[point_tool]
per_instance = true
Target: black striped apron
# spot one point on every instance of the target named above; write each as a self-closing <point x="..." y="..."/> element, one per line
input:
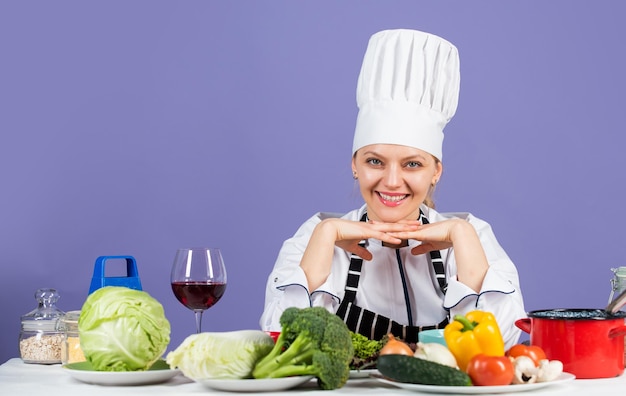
<point x="376" y="326"/>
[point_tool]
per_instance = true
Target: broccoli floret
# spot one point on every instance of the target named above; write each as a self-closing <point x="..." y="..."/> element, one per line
<point x="312" y="341"/>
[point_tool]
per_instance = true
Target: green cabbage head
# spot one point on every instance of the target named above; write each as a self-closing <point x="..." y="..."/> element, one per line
<point x="225" y="355"/>
<point x="122" y="329"/>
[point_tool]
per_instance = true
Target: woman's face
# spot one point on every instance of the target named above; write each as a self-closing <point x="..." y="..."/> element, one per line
<point x="394" y="180"/>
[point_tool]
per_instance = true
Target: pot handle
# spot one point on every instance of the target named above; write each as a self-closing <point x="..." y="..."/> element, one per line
<point x="524" y="324"/>
<point x="617" y="332"/>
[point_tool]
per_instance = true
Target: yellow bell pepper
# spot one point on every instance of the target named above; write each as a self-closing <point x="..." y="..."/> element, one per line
<point x="476" y="332"/>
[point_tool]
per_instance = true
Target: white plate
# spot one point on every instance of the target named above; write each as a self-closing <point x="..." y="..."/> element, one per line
<point x="82" y="371"/>
<point x="478" y="390"/>
<point x="366" y="373"/>
<point x="255" y="385"/>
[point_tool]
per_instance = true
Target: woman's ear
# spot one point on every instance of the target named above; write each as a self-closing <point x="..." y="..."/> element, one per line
<point x="438" y="172"/>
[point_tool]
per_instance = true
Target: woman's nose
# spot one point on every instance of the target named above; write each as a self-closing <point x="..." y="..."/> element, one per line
<point x="393" y="176"/>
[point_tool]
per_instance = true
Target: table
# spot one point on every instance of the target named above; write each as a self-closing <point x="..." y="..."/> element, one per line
<point x="18" y="378"/>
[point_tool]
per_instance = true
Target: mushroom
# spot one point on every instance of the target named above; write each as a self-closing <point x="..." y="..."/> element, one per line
<point x="525" y="370"/>
<point x="549" y="370"/>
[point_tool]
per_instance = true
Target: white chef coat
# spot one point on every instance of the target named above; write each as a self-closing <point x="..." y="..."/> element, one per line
<point x="380" y="287"/>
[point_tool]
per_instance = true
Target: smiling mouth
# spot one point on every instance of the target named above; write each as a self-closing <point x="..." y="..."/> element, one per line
<point x="392" y="200"/>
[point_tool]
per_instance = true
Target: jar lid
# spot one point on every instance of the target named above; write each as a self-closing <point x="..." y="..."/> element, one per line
<point x="71" y="316"/>
<point x="40" y="325"/>
<point x="69" y="321"/>
<point x="619" y="271"/>
<point x="46" y="315"/>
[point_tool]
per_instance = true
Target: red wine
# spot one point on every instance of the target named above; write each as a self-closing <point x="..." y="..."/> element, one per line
<point x="197" y="295"/>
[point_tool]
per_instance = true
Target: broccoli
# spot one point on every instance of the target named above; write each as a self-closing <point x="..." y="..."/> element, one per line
<point x="313" y="341"/>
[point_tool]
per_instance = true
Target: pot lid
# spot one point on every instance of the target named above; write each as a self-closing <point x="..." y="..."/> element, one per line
<point x="576" y="314"/>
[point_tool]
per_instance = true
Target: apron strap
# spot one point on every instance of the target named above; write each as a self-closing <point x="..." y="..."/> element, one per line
<point x="436" y="261"/>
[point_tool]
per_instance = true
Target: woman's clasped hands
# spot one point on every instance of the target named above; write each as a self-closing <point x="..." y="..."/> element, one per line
<point x="435" y="236"/>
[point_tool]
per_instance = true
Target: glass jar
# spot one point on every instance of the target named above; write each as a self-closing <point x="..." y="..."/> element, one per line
<point x="618" y="283"/>
<point x="40" y="340"/>
<point x="70" y="348"/>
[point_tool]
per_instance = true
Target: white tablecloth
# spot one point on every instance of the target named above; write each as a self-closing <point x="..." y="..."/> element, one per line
<point x="18" y="378"/>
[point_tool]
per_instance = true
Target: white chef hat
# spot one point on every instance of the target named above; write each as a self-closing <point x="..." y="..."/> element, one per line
<point x="407" y="91"/>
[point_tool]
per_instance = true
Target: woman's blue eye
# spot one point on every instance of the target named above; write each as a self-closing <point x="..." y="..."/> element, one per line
<point x="374" y="161"/>
<point x="414" y="164"/>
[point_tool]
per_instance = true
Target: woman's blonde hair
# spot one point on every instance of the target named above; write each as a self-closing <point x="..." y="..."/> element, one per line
<point x="429" y="200"/>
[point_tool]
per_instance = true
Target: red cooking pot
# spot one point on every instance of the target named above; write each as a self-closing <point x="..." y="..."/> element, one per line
<point x="589" y="342"/>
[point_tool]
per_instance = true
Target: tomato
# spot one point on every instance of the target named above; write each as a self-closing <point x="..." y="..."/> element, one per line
<point x="532" y="351"/>
<point x="490" y="370"/>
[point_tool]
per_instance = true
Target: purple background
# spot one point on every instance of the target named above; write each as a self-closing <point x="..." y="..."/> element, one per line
<point x="137" y="127"/>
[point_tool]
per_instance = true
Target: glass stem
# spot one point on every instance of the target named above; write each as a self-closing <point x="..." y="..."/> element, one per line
<point x="198" y="321"/>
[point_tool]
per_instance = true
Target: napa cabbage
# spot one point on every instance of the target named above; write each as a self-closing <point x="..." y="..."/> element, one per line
<point x="224" y="355"/>
<point x="122" y="329"/>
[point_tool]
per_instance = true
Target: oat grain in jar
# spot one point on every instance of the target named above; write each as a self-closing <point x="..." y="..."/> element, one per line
<point x="40" y="340"/>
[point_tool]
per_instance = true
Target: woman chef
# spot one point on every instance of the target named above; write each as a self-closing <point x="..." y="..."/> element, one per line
<point x="396" y="264"/>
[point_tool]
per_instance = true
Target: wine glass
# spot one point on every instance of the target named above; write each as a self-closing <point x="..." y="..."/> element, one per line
<point x="198" y="279"/>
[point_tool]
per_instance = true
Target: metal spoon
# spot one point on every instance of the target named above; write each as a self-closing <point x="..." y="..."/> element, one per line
<point x="617" y="303"/>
